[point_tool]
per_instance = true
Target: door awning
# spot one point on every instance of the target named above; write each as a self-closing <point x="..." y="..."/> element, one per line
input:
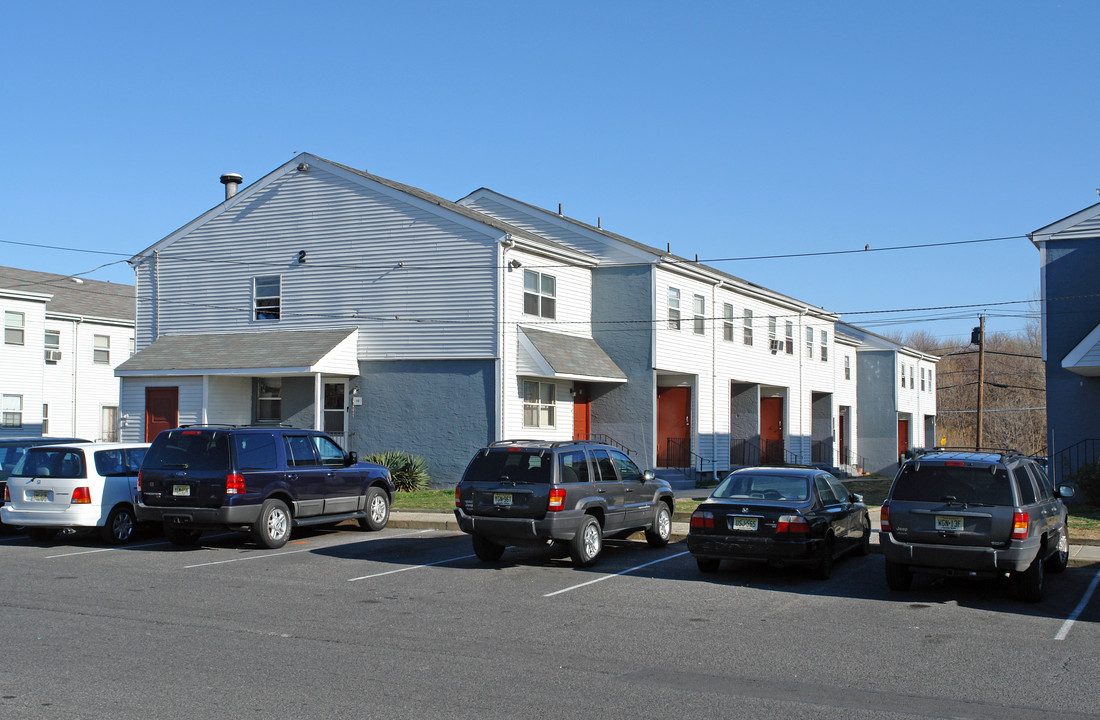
<point x="288" y="352"/>
<point x="569" y="357"/>
<point x="1085" y="358"/>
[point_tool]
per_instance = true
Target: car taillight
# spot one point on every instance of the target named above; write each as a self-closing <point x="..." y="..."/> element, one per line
<point x="82" y="496"/>
<point x="792" y="525"/>
<point x="884" y="518"/>
<point x="458" y="498"/>
<point x="557" y="499"/>
<point x="234" y="484"/>
<point x="704" y="520"/>
<point x="1019" y="526"/>
<point x="7" y="495"/>
<point x="139" y="481"/>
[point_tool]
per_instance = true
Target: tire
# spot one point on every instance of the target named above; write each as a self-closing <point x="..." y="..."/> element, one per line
<point x="1029" y="583"/>
<point x="864" y="546"/>
<point x="378" y="510"/>
<point x="41" y="534"/>
<point x="120" y="526"/>
<point x="586" y="545"/>
<point x="823" y="567"/>
<point x="657" y="535"/>
<point x="272" y="528"/>
<point x="898" y="577"/>
<point x="707" y="565"/>
<point x="485" y="549"/>
<point x="1057" y="562"/>
<point x="182" y="537"/>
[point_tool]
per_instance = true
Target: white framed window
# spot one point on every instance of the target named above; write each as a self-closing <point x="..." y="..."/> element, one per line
<point x="13" y="327"/>
<point x="903" y="376"/>
<point x="727" y="322"/>
<point x="771" y="331"/>
<point x="101" y="349"/>
<point x="748" y="327"/>
<point x="12" y="409"/>
<point x="540" y="292"/>
<point x="269" y="400"/>
<point x="267" y="297"/>
<point x="847" y="367"/>
<point x="809" y="342"/>
<point x="699" y="310"/>
<point x="922" y="379"/>
<point x="673" y="308"/>
<point x="789" y="327"/>
<point x="45" y="419"/>
<point x="132" y="346"/>
<point x="824" y="346"/>
<point x="52" y="345"/>
<point x="538" y="404"/>
<point x="912" y="380"/>
<point x="108" y="423"/>
<point x="929" y="379"/>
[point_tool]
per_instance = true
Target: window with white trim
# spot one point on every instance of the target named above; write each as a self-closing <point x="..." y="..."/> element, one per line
<point x="699" y="309"/>
<point x="12" y="411"/>
<point x="538" y="404"/>
<point x="912" y="381"/>
<point x="847" y="367"/>
<point x="101" y="349"/>
<point x="45" y="419"/>
<point x="540" y="293"/>
<point x="771" y="331"/>
<point x="13" y="327"/>
<point x="789" y="326"/>
<point x="267" y="297"/>
<point x="673" y="308"/>
<point x="132" y="346"/>
<point x="727" y="322"/>
<point x="269" y="400"/>
<point x="922" y="379"/>
<point x="52" y="345"/>
<point x="748" y="327"/>
<point x="824" y="346"/>
<point x="809" y="342"/>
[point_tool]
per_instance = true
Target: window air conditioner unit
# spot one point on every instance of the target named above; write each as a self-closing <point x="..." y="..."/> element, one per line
<point x="53" y="355"/>
<point x="776" y="345"/>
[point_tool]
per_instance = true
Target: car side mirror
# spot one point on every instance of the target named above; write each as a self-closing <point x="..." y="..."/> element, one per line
<point x="649" y="476"/>
<point x="353" y="457"/>
<point x="1065" y="491"/>
<point x="857" y="497"/>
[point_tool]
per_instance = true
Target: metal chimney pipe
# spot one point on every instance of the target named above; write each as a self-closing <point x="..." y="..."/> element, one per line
<point x="231" y="182"/>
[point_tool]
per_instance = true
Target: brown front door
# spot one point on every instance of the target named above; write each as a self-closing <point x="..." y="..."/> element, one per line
<point x="673" y="426"/>
<point x="582" y="412"/>
<point x="771" y="430"/>
<point x="903" y="437"/>
<point x="162" y="405"/>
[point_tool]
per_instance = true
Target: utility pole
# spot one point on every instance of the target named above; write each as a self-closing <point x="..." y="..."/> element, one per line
<point x="978" y="336"/>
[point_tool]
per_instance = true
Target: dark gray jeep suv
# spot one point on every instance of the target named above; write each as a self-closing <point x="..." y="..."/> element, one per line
<point x="572" y="494"/>
<point x="974" y="514"/>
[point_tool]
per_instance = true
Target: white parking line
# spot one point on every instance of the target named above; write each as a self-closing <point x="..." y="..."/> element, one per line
<point x="608" y="577"/>
<point x="262" y="554"/>
<point x="1079" y="609"/>
<point x="106" y="549"/>
<point x="411" y="567"/>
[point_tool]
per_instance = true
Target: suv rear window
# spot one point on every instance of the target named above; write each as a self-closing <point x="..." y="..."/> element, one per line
<point x="189" y="450"/>
<point x="935" y="483"/>
<point x="511" y="465"/>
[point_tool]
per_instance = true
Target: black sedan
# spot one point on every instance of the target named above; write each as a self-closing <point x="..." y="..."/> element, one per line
<point x="781" y="516"/>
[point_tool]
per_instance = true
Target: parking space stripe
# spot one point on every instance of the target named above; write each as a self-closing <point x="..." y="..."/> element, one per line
<point x="262" y="554"/>
<point x="411" y="567"/>
<point x="1064" y="631"/>
<point x="106" y="549"/>
<point x="608" y="577"/>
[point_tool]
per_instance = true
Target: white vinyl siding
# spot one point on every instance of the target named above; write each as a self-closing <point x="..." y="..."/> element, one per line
<point x="132" y="403"/>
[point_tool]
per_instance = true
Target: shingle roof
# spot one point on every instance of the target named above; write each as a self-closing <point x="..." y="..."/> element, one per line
<point x="572" y="355"/>
<point x="229" y="351"/>
<point x="94" y="298"/>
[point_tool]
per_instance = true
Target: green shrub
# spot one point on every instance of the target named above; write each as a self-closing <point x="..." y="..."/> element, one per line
<point x="409" y="472"/>
<point x="1087" y="479"/>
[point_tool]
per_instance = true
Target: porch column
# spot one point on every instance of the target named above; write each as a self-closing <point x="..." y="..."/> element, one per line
<point x="318" y="393"/>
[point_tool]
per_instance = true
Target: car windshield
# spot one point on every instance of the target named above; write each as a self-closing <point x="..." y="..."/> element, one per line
<point x="926" y="482"/>
<point x="51" y="462"/>
<point x="189" y="450"/>
<point x="522" y="467"/>
<point x="749" y="486"/>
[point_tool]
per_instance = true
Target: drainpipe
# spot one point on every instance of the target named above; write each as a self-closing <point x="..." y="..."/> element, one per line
<point x="801" y="381"/>
<point x="76" y="369"/>
<point x="502" y="283"/>
<point x="156" y="294"/>
<point x="714" y="381"/>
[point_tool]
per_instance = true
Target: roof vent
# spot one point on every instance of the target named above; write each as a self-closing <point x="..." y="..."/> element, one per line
<point x="231" y="181"/>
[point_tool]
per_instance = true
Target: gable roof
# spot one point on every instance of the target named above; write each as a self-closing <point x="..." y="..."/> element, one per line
<point x="1084" y="359"/>
<point x="868" y="340"/>
<point x="72" y="295"/>
<point x="1081" y="224"/>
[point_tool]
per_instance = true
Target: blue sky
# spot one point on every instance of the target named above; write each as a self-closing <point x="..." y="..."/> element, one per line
<point x="726" y="129"/>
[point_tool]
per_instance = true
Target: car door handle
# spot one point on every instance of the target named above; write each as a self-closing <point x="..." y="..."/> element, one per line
<point x="600" y="491"/>
<point x="628" y="490"/>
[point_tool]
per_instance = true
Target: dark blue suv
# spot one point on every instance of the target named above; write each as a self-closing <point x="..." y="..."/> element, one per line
<point x="266" y="480"/>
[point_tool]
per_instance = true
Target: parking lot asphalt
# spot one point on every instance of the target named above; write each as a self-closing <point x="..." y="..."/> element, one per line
<point x="1079" y="555"/>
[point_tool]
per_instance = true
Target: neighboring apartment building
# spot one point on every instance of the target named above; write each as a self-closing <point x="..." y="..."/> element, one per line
<point x="1069" y="261"/>
<point x="326" y="297"/>
<point x="63" y="338"/>
<point x="896" y="400"/>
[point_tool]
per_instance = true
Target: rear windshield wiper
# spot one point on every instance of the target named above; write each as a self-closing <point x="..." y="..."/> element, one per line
<point x="952" y="500"/>
<point x="504" y="479"/>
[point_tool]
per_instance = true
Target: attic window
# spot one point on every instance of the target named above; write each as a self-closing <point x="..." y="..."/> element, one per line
<point x="266" y="297"/>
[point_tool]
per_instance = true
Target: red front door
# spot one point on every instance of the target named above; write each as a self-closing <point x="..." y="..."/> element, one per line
<point x="673" y="426"/>
<point x="842" y="437"/>
<point x="162" y="406"/>
<point x="903" y="437"/>
<point x="582" y="412"/>
<point x="771" y="430"/>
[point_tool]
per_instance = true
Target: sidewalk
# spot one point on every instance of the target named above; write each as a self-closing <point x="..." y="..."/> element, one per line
<point x="1079" y="555"/>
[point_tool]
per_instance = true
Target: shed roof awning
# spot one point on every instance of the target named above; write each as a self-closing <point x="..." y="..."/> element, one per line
<point x="289" y="352"/>
<point x="569" y="357"/>
<point x="1085" y="358"/>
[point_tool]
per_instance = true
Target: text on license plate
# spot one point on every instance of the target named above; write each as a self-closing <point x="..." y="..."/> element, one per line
<point x="945" y="522"/>
<point x="743" y="523"/>
<point x="181" y="490"/>
<point x="502" y="498"/>
<point x="40" y="496"/>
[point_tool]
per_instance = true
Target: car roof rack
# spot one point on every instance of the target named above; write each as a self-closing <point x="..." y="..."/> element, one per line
<point x="1005" y="453"/>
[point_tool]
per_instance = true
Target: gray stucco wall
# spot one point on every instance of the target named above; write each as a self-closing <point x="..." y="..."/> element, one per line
<point x="441" y="409"/>
<point x="297" y="402"/>
<point x="1073" y="401"/>
<point x="877" y="415"/>
<point x="622" y="316"/>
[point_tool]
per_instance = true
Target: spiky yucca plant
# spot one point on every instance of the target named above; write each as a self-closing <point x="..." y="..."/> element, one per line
<point x="409" y="472"/>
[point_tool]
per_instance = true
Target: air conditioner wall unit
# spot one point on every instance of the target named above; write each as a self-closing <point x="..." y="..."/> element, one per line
<point x="53" y="355"/>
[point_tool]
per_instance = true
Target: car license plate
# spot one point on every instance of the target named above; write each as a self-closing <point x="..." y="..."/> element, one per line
<point x="951" y="524"/>
<point x="746" y="524"/>
<point x="502" y="498"/>
<point x="40" y="496"/>
<point x="181" y="490"/>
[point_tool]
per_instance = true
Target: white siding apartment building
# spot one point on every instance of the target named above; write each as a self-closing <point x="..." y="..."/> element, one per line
<point x="63" y="338"/>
